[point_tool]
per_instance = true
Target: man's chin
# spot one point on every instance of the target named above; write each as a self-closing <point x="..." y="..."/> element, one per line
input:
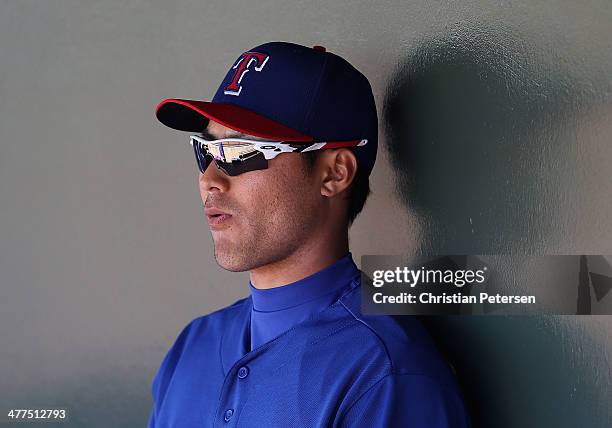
<point x="231" y="262"/>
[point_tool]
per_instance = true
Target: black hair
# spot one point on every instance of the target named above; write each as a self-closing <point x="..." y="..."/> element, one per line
<point x="359" y="189"/>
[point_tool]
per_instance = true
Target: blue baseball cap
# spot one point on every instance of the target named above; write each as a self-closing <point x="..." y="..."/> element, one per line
<point x="287" y="92"/>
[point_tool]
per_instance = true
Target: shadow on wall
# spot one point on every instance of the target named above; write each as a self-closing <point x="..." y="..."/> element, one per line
<point x="481" y="136"/>
<point x="479" y="129"/>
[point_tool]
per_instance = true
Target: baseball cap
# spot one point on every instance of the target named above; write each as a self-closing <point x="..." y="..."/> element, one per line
<point x="287" y="92"/>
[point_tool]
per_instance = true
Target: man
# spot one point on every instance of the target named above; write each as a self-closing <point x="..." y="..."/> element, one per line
<point x="284" y="150"/>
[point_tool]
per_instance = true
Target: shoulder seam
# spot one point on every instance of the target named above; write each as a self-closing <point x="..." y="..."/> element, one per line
<point x="382" y="343"/>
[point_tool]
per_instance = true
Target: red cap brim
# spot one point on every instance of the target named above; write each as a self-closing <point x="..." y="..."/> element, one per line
<point x="193" y="115"/>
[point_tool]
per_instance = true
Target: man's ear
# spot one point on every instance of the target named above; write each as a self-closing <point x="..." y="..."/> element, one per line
<point x="338" y="167"/>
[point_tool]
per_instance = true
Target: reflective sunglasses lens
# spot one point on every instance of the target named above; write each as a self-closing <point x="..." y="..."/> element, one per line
<point x="230" y="150"/>
<point x="202" y="157"/>
<point x="253" y="163"/>
<point x="234" y="151"/>
<point x="232" y="157"/>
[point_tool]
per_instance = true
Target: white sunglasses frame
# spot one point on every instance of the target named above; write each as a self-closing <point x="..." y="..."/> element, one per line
<point x="271" y="149"/>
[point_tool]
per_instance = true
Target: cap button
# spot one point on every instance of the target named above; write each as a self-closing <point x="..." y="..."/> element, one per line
<point x="319" y="48"/>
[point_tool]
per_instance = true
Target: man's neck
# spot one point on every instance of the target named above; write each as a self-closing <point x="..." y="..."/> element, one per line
<point x="306" y="261"/>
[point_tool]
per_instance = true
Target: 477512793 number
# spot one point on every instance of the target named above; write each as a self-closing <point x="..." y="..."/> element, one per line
<point x="55" y="414"/>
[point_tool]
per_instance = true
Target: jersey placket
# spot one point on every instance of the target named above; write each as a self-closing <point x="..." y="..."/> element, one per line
<point x="233" y="393"/>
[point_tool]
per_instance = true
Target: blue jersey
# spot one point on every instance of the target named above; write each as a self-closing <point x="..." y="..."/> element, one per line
<point x="338" y="368"/>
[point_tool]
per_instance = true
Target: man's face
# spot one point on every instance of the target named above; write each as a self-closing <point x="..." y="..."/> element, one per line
<point x="270" y="213"/>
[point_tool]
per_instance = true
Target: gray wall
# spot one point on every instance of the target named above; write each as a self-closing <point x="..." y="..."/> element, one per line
<point x="495" y="139"/>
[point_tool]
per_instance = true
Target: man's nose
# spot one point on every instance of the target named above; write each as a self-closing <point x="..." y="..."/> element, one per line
<point x="213" y="179"/>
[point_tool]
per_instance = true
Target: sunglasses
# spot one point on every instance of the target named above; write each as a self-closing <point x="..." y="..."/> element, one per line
<point x="235" y="156"/>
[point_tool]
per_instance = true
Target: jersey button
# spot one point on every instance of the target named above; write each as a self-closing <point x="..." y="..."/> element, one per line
<point x="228" y="415"/>
<point x="243" y="372"/>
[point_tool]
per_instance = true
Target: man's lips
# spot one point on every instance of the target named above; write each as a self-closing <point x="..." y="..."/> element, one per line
<point x="216" y="217"/>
